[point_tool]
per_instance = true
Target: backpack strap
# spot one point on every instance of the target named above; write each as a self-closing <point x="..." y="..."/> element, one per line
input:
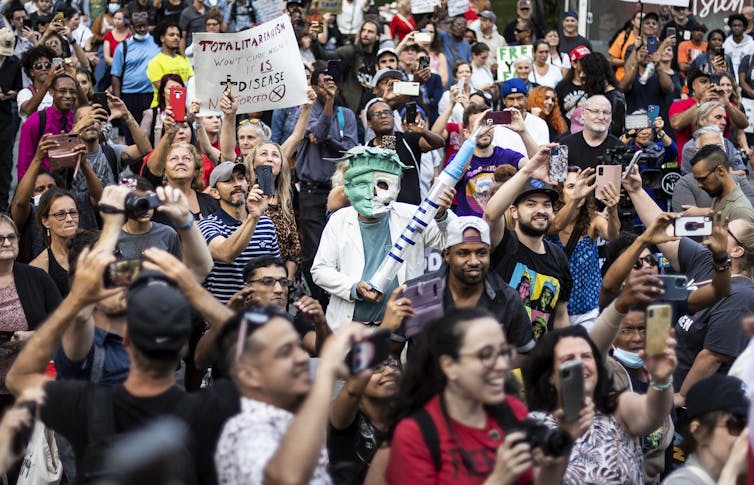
<point x="503" y="415"/>
<point x="98" y="363"/>
<point x="42" y="123"/>
<point x="123" y="69"/>
<point x="429" y="433"/>
<point x="100" y="431"/>
<point x="112" y="159"/>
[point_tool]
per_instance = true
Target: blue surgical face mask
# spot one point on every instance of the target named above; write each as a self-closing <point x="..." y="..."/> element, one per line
<point x="629" y="359"/>
<point x="113" y="7"/>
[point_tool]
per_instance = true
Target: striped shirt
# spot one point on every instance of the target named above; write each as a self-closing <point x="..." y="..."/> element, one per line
<point x="227" y="278"/>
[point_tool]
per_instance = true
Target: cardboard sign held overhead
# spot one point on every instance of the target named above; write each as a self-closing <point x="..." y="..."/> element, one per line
<point x="262" y="66"/>
<point x="424" y="6"/>
<point x="506" y="58"/>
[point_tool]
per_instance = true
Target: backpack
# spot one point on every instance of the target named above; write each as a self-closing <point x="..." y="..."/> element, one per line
<point x="101" y="434"/>
<point x="502" y="414"/>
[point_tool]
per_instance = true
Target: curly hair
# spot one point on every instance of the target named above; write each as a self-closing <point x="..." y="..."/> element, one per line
<point x="555" y="119"/>
<point x="598" y="73"/>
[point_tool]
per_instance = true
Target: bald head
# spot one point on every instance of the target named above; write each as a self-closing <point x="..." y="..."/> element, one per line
<point x="597" y="116"/>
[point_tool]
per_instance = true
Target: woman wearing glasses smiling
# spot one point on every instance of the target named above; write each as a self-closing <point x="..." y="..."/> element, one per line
<point x="454" y="382"/>
<point x="27" y="296"/>
<point x="58" y="214"/>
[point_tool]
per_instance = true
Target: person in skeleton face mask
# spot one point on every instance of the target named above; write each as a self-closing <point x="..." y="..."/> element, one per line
<point x="356" y="239"/>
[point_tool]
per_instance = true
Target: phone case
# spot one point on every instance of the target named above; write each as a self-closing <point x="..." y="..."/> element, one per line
<point x="559" y="163"/>
<point x="333" y="69"/>
<point x="674" y="286"/>
<point x="608" y="173"/>
<point x="426" y="300"/>
<point x="178" y="103"/>
<point x="101" y="99"/>
<point x="658" y="327"/>
<point x="572" y="389"/>
<point x="406" y="88"/>
<point x="265" y="179"/>
<point x="64" y="155"/>
<point x="369" y="352"/>
<point x="653" y="111"/>
<point x="690" y="226"/>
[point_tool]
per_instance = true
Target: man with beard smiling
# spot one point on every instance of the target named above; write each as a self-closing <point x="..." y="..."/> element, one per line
<point x="523" y="252"/>
<point x="710" y="169"/>
<point x="238" y="231"/>
<point x="585" y="146"/>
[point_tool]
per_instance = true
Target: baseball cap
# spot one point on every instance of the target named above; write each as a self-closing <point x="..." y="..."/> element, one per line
<point x="524" y="4"/>
<point x="7" y="42"/>
<point x="578" y="52"/>
<point x="571" y="13"/>
<point x="457" y="226"/>
<point x="514" y="85"/>
<point x="717" y="392"/>
<point x="488" y="14"/>
<point x="536" y="186"/>
<point x="651" y="15"/>
<point x="699" y="26"/>
<point x="695" y="74"/>
<point x="224" y="171"/>
<point x="387" y="50"/>
<point x="390" y="73"/>
<point x="158" y="316"/>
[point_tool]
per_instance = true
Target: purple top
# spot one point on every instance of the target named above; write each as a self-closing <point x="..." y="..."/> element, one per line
<point x="27" y="144"/>
<point x="475" y="187"/>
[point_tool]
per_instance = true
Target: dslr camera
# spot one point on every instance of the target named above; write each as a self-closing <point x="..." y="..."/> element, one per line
<point x="137" y="205"/>
<point x="552" y="442"/>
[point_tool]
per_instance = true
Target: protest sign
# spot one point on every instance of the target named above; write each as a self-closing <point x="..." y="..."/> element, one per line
<point x="267" y="10"/>
<point x="748" y="105"/>
<point x="424" y="6"/>
<point x="334" y="7"/>
<point x="507" y="56"/>
<point x="262" y="65"/>
<point x="457" y="7"/>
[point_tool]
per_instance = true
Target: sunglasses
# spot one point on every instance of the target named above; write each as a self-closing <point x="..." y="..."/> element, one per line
<point x="251" y="121"/>
<point x="42" y="65"/>
<point x="650" y="259"/>
<point x="735" y="425"/>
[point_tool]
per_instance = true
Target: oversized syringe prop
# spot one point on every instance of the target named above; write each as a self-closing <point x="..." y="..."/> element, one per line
<point x="423" y="215"/>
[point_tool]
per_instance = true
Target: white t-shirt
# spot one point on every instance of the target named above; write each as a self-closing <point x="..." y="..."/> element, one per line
<point x="350" y="19"/>
<point x="457" y="115"/>
<point x="550" y="79"/>
<point x="25" y="95"/>
<point x="481" y="77"/>
<point x="507" y="138"/>
<point x="738" y="51"/>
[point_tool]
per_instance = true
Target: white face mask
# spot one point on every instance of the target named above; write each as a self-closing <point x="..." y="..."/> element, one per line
<point x="629" y="359"/>
<point x="35" y="199"/>
<point x="140" y="36"/>
<point x="113" y="7"/>
<point x="383" y="197"/>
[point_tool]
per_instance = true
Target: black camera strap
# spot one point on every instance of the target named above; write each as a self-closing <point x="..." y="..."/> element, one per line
<point x="502" y="414"/>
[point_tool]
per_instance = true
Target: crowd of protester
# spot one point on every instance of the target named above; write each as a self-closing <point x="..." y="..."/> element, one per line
<point x="192" y="300"/>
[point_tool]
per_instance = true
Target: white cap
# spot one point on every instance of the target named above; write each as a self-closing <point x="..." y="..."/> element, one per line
<point x="458" y="226"/>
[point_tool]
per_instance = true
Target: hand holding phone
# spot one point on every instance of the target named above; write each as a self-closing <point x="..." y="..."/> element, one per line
<point x="691" y="226"/>
<point x="369" y="352"/>
<point x="101" y="99"/>
<point x="121" y="273"/>
<point x="178" y="103"/>
<point x="265" y="179"/>
<point x="559" y="163"/>
<point x="658" y="328"/>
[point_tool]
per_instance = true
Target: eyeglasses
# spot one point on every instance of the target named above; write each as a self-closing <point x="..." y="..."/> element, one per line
<point x="519" y="31"/>
<point x="650" y="259"/>
<point x="381" y="114"/>
<point x="61" y="215"/>
<point x="735" y="238"/>
<point x="42" y="65"/>
<point x="702" y="179"/>
<point x="11" y="238"/>
<point x="488" y="355"/>
<point x="599" y="112"/>
<point x="71" y="92"/>
<point x="631" y="330"/>
<point x="270" y="281"/>
<point x="391" y="362"/>
<point x="735" y="425"/>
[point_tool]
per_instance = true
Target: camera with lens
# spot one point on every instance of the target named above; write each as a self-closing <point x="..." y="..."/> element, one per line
<point x="552" y="442"/>
<point x="137" y="205"/>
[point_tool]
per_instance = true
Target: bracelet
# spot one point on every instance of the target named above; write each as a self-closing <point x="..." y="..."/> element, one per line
<point x="723" y="266"/>
<point x="187" y="225"/>
<point x="72" y="41"/>
<point x="661" y="387"/>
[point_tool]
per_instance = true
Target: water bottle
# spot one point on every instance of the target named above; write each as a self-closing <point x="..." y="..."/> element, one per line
<point x="648" y="71"/>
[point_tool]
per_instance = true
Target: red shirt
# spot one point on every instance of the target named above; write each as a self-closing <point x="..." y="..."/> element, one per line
<point x="684" y="135"/>
<point x="401" y="26"/>
<point x="411" y="461"/>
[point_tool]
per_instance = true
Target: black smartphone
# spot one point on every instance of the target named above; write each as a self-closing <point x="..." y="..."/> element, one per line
<point x="23" y="435"/>
<point x="333" y="70"/>
<point x="369" y="352"/>
<point x="101" y="99"/>
<point x="121" y="273"/>
<point x="424" y="62"/>
<point x="652" y="44"/>
<point x="411" y="112"/>
<point x="571" y="389"/>
<point x="265" y="180"/>
<point x="670" y="32"/>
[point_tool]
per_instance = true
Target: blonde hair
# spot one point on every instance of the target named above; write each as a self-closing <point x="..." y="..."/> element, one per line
<point x="198" y="182"/>
<point x="746" y="238"/>
<point x="706" y="109"/>
<point x="282" y="181"/>
<point x="7" y="219"/>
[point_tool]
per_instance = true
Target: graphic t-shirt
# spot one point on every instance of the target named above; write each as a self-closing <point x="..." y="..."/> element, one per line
<point x="475" y="187"/>
<point x="542" y="280"/>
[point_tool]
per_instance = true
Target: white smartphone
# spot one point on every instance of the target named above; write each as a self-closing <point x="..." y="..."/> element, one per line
<point x="406" y="88"/>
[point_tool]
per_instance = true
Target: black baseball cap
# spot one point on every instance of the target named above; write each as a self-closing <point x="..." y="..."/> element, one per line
<point x="158" y="316"/>
<point x="717" y="392"/>
<point x="694" y="74"/>
<point x="536" y="186"/>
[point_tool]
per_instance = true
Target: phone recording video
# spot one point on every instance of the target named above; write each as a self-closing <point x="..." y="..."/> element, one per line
<point x="121" y="273"/>
<point x="369" y="352"/>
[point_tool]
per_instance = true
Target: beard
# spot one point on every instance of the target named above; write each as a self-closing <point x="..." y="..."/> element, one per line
<point x="236" y="202"/>
<point x="531" y="231"/>
<point x="716" y="192"/>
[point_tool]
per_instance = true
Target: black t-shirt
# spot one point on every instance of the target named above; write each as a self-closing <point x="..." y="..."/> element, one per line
<point x="505" y="304"/>
<point x="66" y="411"/>
<point x="716" y="328"/>
<point x="567" y="44"/>
<point x="541" y="280"/>
<point x="570" y="97"/>
<point x="10" y="80"/>
<point x="410" y="154"/>
<point x="581" y="154"/>
<point x="351" y="449"/>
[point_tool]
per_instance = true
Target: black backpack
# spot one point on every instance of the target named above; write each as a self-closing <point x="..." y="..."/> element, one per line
<point x="502" y="414"/>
